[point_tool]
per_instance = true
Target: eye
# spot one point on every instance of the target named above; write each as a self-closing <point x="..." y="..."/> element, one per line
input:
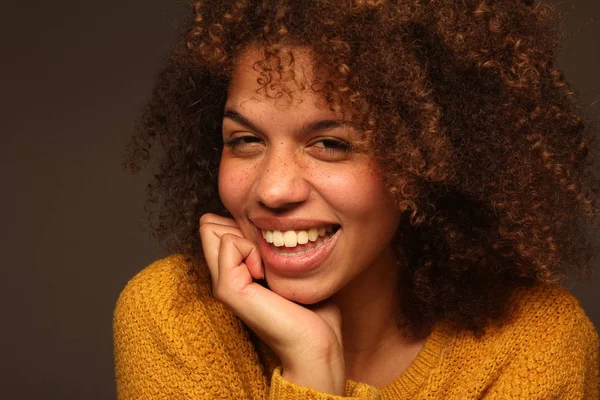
<point x="244" y="145"/>
<point x="331" y="149"/>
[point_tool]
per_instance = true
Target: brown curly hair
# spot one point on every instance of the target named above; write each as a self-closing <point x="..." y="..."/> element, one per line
<point x="479" y="137"/>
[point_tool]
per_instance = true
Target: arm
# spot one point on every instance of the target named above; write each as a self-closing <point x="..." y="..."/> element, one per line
<point x="138" y="348"/>
<point x="306" y="341"/>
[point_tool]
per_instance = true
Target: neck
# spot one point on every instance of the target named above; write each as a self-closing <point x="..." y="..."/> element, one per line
<point x="369" y="304"/>
<point x="375" y="350"/>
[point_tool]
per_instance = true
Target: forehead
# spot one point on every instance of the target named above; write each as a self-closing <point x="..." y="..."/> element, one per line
<point x="285" y="78"/>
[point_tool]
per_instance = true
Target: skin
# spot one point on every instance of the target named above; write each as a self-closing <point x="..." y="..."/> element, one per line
<point x="281" y="168"/>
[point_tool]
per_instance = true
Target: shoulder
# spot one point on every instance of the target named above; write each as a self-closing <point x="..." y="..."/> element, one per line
<point x="548" y="348"/>
<point x="551" y="331"/>
<point x="165" y="291"/>
<point x="161" y="280"/>
<point x="173" y="339"/>
<point x="545" y="323"/>
<point x="539" y="318"/>
<point x="166" y="313"/>
<point x="549" y="312"/>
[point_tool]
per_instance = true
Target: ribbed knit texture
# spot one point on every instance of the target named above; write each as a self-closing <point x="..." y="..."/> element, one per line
<point x="173" y="341"/>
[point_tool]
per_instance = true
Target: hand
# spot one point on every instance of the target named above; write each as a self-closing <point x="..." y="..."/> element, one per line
<point x="307" y="341"/>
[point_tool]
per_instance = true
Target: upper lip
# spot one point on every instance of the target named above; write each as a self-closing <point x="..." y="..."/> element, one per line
<point x="288" y="223"/>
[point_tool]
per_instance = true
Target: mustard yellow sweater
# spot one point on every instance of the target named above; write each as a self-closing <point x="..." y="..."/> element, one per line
<point x="172" y="343"/>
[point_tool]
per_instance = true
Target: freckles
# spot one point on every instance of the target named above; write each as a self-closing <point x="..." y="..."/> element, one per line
<point x="245" y="175"/>
<point x="244" y="182"/>
<point x="234" y="183"/>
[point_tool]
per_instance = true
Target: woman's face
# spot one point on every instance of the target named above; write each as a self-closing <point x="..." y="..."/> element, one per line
<point x="317" y="209"/>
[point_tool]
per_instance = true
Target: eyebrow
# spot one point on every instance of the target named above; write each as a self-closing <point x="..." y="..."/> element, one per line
<point x="312" y="126"/>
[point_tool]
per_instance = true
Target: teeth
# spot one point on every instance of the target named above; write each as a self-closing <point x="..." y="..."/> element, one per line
<point x="277" y="238"/>
<point x="290" y="239"/>
<point x="302" y="237"/>
<point x="294" y="238"/>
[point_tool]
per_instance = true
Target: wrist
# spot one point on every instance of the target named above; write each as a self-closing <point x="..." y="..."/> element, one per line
<point x="326" y="377"/>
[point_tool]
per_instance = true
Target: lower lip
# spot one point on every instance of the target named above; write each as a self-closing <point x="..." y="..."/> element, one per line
<point x="293" y="265"/>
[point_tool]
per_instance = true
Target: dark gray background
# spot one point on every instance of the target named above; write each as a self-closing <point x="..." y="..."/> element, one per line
<point x="73" y="77"/>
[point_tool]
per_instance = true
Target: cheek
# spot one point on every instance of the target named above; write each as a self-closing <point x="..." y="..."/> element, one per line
<point x="234" y="186"/>
<point x="359" y="191"/>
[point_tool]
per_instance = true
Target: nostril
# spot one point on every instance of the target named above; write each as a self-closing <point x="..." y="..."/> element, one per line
<point x="281" y="194"/>
<point x="279" y="207"/>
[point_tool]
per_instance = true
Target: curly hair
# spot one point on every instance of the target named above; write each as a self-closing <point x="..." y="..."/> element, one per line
<point x="479" y="137"/>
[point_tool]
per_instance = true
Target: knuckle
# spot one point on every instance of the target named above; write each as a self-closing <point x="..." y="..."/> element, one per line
<point x="206" y="218"/>
<point x="228" y="238"/>
<point x="204" y="230"/>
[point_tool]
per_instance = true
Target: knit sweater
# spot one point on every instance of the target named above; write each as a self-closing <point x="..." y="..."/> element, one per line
<point x="173" y="341"/>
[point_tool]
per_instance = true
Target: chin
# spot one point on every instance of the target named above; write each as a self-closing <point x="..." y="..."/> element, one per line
<point x="298" y="291"/>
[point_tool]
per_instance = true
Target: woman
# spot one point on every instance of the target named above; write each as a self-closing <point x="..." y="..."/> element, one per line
<point x="371" y="199"/>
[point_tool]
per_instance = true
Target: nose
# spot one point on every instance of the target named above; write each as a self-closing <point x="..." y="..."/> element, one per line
<point x="281" y="183"/>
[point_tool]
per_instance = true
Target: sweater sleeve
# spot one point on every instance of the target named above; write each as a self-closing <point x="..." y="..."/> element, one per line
<point x="151" y="360"/>
<point x="169" y="345"/>
<point x="558" y="358"/>
<point x="282" y="389"/>
<point x="139" y="354"/>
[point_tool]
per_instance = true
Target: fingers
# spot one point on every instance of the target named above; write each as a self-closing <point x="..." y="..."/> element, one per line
<point x="212" y="228"/>
<point x="234" y="262"/>
<point x="231" y="258"/>
<point x="217" y="219"/>
<point x="292" y="331"/>
<point x="239" y="263"/>
<point x="238" y="253"/>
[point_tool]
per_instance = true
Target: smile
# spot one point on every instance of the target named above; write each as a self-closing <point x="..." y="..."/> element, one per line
<point x="293" y="251"/>
<point x="293" y="238"/>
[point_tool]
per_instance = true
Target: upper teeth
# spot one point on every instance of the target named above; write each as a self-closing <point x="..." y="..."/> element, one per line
<point x="295" y="237"/>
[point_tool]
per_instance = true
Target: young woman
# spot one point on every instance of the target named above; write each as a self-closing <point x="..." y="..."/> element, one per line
<point x="369" y="199"/>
